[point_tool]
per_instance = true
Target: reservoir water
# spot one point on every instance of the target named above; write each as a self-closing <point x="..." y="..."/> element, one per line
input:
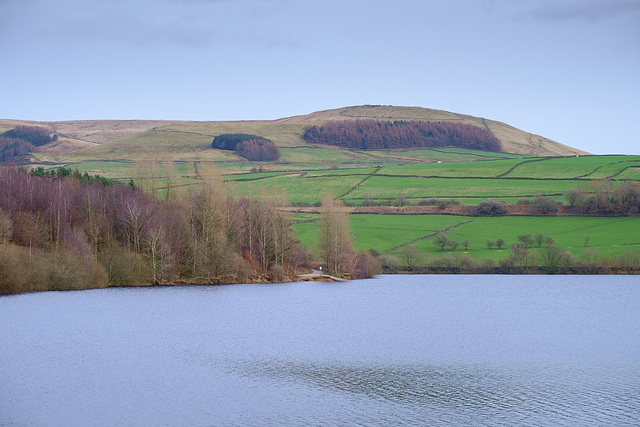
<point x="395" y="350"/>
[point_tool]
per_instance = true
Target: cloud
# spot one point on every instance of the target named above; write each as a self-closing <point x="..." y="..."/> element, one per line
<point x="197" y="1"/>
<point x="565" y="10"/>
<point x="191" y="2"/>
<point x="184" y="23"/>
<point x="134" y="30"/>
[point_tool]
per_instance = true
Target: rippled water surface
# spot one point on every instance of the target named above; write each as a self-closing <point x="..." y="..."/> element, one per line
<point x="411" y="350"/>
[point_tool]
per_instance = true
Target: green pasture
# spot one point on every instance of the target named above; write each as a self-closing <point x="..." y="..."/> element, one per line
<point x="109" y="169"/>
<point x="239" y="177"/>
<point x="451" y="151"/>
<point x="632" y="173"/>
<point x="572" y="167"/>
<point x="609" y="236"/>
<point x="619" y="170"/>
<point x="381" y="232"/>
<point x="386" y="187"/>
<point x="299" y="188"/>
<point x="484" y="168"/>
<point x="341" y="172"/>
<point x="467" y="182"/>
<point x="445" y="155"/>
<point x="317" y="155"/>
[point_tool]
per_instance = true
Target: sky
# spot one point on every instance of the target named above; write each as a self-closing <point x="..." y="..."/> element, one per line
<point x="568" y="70"/>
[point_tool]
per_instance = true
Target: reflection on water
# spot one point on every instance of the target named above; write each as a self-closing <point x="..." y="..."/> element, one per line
<point x="416" y="350"/>
<point x="461" y="394"/>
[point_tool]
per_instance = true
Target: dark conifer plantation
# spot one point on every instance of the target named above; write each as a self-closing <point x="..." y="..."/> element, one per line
<point x="22" y="140"/>
<point x="376" y="135"/>
<point x="252" y="147"/>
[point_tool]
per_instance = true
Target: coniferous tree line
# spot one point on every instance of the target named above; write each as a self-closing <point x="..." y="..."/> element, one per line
<point x="22" y="140"/>
<point x="375" y="135"/>
<point x="252" y="147"/>
<point x="11" y="148"/>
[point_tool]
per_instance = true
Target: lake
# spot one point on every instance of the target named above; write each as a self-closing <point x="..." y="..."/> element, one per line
<point x="409" y="350"/>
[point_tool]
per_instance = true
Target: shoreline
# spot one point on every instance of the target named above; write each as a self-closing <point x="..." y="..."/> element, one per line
<point x="317" y="276"/>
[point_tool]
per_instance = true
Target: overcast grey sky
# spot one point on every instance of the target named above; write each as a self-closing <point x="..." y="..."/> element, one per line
<point x="568" y="70"/>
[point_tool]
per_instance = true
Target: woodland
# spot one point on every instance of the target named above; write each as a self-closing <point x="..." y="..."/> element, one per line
<point x="252" y="147"/>
<point x="65" y="230"/>
<point x="375" y="135"/>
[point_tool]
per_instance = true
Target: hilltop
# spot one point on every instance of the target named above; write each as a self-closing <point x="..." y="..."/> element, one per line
<point x="513" y="140"/>
<point x="126" y="139"/>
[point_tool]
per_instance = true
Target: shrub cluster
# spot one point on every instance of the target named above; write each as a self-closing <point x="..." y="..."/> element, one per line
<point x="604" y="198"/>
<point x="375" y="135"/>
<point x="258" y="150"/>
<point x="26" y="270"/>
<point x="491" y="208"/>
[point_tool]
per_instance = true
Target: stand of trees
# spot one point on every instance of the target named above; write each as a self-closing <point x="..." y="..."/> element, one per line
<point x="336" y="247"/>
<point x="258" y="150"/>
<point x="375" y="135"/>
<point x="252" y="147"/>
<point x="334" y="236"/>
<point x="60" y="232"/>
<point x="528" y="255"/>
<point x="22" y="140"/>
<point x="604" y="198"/>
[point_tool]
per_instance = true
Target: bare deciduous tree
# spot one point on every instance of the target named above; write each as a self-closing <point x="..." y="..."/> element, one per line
<point x="6" y="227"/>
<point x="335" y="236"/>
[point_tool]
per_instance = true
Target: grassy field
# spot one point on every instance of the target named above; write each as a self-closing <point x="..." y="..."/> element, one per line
<point x="354" y="177"/>
<point x="485" y="169"/>
<point x="609" y="236"/>
<point x="382" y="232"/>
<point x="632" y="173"/>
<point x="593" y="167"/>
<point x="454" y="155"/>
<point x="386" y="187"/>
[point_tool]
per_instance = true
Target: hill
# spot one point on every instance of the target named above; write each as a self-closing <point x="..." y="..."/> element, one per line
<point x="513" y="140"/>
<point x="128" y="139"/>
<point x="400" y="200"/>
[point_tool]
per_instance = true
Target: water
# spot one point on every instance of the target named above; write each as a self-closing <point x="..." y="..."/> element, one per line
<point x="397" y="350"/>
